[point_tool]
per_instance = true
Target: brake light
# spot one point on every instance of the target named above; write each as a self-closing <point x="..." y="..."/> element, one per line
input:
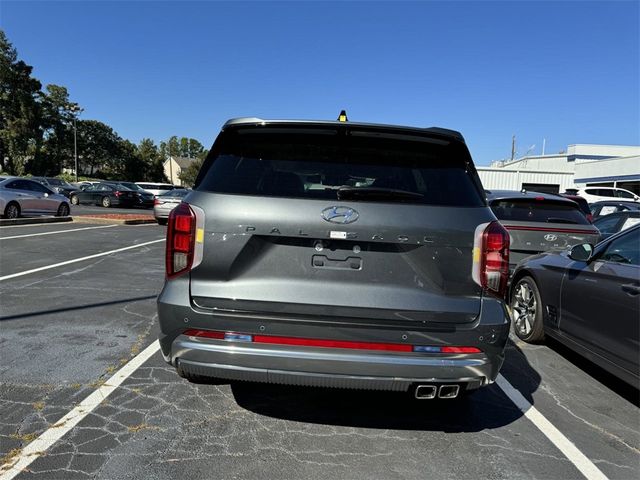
<point x="117" y="194"/>
<point x="156" y="201"/>
<point x="491" y="258"/>
<point x="181" y="236"/>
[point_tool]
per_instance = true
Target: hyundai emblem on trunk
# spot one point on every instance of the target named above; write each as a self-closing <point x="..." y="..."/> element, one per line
<point x="340" y="215"/>
<point x="550" y="237"/>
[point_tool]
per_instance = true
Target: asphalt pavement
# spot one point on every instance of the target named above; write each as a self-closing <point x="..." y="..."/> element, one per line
<point x="78" y="309"/>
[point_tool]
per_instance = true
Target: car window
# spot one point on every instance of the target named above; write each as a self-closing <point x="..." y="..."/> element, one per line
<point x="319" y="164"/>
<point x="607" y="224"/>
<point x="544" y="211"/>
<point x="38" y="187"/>
<point x="625" y="249"/>
<point x="623" y="194"/>
<point x="13" y="185"/>
<point x="630" y="222"/>
<point x="104" y="188"/>
<point x="608" y="209"/>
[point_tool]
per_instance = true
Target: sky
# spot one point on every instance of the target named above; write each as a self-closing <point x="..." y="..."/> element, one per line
<point x="567" y="72"/>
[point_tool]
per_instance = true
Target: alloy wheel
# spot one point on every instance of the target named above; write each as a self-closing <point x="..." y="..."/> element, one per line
<point x="524" y="307"/>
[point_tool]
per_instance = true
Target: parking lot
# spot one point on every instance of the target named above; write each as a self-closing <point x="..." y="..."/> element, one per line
<point x="79" y="317"/>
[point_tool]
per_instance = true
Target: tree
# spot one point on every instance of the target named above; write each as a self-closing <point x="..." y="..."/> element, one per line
<point x="98" y="148"/>
<point x="153" y="161"/>
<point x="20" y="111"/>
<point x="189" y="174"/>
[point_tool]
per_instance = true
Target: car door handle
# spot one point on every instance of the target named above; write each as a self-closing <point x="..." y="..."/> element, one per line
<point x="631" y="288"/>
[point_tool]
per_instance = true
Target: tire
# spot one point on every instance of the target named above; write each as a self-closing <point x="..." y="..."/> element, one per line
<point x="527" y="310"/>
<point x="74" y="200"/>
<point x="105" y="202"/>
<point x="12" y="210"/>
<point x="63" y="210"/>
<point x="161" y="221"/>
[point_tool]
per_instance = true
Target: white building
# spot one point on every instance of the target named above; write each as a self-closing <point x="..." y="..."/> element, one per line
<point x="174" y="166"/>
<point x="581" y="165"/>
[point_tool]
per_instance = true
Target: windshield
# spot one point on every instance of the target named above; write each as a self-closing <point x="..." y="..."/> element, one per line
<point x="323" y="164"/>
<point x="178" y="192"/>
<point x="532" y="210"/>
<point x="131" y="186"/>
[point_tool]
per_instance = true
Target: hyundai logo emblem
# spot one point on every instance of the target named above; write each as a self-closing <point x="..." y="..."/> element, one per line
<point x="341" y="215"/>
<point x="550" y="237"/>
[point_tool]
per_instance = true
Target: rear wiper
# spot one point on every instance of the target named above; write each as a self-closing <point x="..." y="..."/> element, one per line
<point x="560" y="220"/>
<point x="375" y="192"/>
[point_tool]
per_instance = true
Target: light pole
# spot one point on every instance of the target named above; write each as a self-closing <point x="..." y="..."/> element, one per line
<point x="76" y="111"/>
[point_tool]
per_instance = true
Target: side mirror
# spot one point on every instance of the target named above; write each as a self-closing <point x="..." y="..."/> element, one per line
<point x="581" y="253"/>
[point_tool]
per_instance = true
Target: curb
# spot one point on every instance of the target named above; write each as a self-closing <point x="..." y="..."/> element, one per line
<point x="6" y="222"/>
<point x="112" y="221"/>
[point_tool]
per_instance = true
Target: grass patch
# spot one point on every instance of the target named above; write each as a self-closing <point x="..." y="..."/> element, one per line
<point x="24" y="438"/>
<point x="7" y="460"/>
<point x="38" y="406"/>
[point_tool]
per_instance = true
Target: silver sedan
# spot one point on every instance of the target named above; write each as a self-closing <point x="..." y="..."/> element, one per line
<point x="163" y="204"/>
<point x="21" y="196"/>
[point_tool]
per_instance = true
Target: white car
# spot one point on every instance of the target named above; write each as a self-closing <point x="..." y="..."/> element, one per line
<point x="156" y="188"/>
<point x="595" y="194"/>
<point x="20" y="196"/>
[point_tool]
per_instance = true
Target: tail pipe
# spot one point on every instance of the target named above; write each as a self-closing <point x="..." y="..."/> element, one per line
<point x="429" y="392"/>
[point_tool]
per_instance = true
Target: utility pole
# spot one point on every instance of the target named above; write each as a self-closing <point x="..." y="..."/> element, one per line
<point x="76" y="111"/>
<point x="544" y="142"/>
<point x="170" y="164"/>
<point x="513" y="147"/>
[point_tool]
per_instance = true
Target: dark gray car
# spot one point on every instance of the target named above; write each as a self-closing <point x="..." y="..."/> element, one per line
<point x="588" y="299"/>
<point x="337" y="254"/>
<point x="538" y="222"/>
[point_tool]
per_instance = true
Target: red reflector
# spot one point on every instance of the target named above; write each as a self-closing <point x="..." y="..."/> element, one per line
<point x="460" y="350"/>
<point x="192" y="332"/>
<point x="539" y="198"/>
<point x="310" y="342"/>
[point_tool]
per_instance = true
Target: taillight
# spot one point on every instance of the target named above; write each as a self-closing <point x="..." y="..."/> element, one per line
<point x="117" y="194"/>
<point x="181" y="236"/>
<point x="491" y="258"/>
<point x="156" y="201"/>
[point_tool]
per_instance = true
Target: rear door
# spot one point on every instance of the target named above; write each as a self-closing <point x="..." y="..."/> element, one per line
<point x="542" y="224"/>
<point x="343" y="224"/>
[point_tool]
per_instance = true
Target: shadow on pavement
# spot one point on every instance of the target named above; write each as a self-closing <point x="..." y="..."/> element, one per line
<point x="487" y="408"/>
<point x="78" y="307"/>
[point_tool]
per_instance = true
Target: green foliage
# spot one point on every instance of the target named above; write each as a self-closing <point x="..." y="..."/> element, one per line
<point x="189" y="174"/>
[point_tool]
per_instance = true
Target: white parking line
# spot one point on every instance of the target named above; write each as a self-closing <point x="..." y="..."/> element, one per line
<point x="562" y="443"/>
<point x="60" y="428"/>
<point x="81" y="259"/>
<point x="57" y="231"/>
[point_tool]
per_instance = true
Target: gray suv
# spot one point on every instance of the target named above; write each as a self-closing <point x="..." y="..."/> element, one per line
<point x="337" y="254"/>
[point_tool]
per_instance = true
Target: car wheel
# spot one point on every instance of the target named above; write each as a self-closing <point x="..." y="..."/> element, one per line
<point x="12" y="210"/>
<point x="63" y="210"/>
<point x="161" y="221"/>
<point x="74" y="200"/>
<point x="526" y="307"/>
<point x="106" y="202"/>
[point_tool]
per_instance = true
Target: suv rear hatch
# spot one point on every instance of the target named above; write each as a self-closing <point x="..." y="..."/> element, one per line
<point x="539" y="224"/>
<point x="339" y="224"/>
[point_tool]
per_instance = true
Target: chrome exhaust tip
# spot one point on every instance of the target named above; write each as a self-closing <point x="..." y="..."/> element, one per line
<point x="448" y="391"/>
<point x="426" y="392"/>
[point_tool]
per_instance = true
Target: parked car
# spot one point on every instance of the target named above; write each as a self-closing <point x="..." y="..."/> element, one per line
<point x="538" y="222"/>
<point x="595" y="194"/>
<point x="606" y="207"/>
<point x="23" y="197"/>
<point x="156" y="188"/>
<point x="56" y="185"/>
<point x="105" y="194"/>
<point x="368" y="280"/>
<point x="145" y="199"/>
<point x="582" y="203"/>
<point x="86" y="183"/>
<point x="616" y="222"/>
<point x="166" y="202"/>
<point x="586" y="299"/>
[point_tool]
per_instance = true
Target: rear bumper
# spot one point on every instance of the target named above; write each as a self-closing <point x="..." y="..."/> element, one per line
<point x="328" y="367"/>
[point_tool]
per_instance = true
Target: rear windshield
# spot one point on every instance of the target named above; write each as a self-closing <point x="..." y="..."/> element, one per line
<point x="336" y="165"/>
<point x="544" y="211"/>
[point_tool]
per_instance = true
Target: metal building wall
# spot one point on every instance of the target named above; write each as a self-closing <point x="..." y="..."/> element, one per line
<point x="502" y="179"/>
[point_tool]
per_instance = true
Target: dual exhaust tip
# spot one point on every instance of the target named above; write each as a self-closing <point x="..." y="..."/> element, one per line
<point x="428" y="392"/>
